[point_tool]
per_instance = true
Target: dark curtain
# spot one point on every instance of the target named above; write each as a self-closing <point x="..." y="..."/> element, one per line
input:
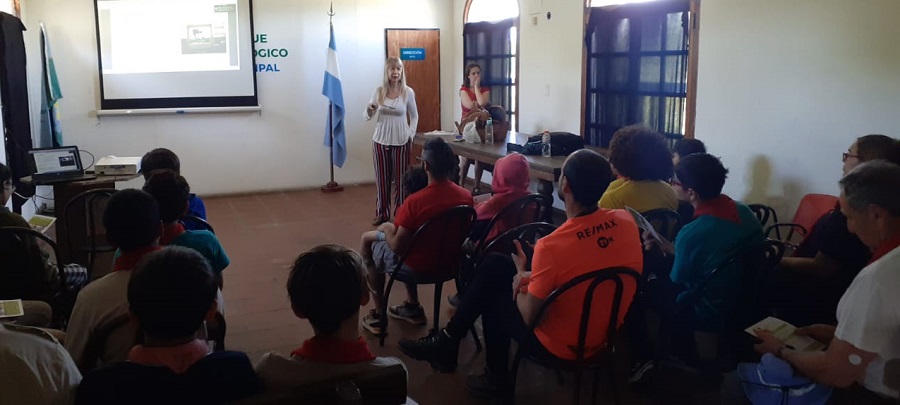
<point x="637" y="60"/>
<point x="489" y="45"/>
<point x="14" y="94"/>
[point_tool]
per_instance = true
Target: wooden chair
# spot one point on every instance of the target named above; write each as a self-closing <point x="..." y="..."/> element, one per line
<point x="582" y="362"/>
<point x="448" y="230"/>
<point x="89" y="205"/>
<point x="15" y="242"/>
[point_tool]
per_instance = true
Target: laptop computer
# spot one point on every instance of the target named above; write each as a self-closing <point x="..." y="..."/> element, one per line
<point x="55" y="165"/>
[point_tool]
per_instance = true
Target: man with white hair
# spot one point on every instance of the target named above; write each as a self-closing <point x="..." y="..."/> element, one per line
<point x="867" y="335"/>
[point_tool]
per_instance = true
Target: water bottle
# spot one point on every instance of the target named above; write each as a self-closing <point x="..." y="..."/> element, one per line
<point x="489" y="132"/>
<point x="545" y="144"/>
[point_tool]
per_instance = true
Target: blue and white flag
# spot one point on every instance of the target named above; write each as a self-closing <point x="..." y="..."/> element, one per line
<point x="332" y="89"/>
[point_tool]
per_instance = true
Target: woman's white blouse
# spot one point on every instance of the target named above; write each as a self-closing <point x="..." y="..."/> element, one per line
<point x="391" y="127"/>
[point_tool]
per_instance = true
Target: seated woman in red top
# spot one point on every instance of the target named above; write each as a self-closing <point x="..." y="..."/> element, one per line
<point x="471" y="97"/>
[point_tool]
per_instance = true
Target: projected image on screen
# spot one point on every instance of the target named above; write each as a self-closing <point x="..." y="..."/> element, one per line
<point x="175" y="49"/>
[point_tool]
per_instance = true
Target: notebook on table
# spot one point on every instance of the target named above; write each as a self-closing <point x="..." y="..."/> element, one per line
<point x="54" y="165"/>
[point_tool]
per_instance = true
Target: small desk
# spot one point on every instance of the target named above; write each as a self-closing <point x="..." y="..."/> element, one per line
<point x="62" y="194"/>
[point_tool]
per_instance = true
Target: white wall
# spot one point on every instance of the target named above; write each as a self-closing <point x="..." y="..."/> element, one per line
<point x="785" y="86"/>
<point x="227" y="153"/>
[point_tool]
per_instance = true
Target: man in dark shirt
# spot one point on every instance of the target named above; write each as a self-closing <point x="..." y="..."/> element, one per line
<point x="810" y="284"/>
<point x="170" y="294"/>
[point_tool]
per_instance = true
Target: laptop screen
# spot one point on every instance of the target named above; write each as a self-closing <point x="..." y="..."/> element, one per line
<point x="56" y="160"/>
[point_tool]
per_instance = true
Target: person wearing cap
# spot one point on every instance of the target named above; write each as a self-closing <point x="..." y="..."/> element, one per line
<point x="867" y="335"/>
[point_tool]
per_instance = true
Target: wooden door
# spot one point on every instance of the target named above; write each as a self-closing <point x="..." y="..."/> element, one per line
<point x="423" y="72"/>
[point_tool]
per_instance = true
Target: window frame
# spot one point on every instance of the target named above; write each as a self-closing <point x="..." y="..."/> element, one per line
<point x="514" y="110"/>
<point x="690" y="98"/>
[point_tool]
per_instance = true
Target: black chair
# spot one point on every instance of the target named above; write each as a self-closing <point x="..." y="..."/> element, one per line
<point x="528" y="209"/>
<point x="582" y="362"/>
<point x="764" y="214"/>
<point x="756" y="265"/>
<point x="91" y="204"/>
<point x="195" y="222"/>
<point x="385" y="386"/>
<point x="15" y="241"/>
<point x="664" y="221"/>
<point x="448" y="229"/>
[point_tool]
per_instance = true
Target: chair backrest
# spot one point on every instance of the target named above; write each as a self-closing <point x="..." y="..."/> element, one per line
<point x="448" y="230"/>
<point x="195" y="222"/>
<point x="91" y="203"/>
<point x="615" y="275"/>
<point x="386" y="385"/>
<point x="527" y="235"/>
<point x="23" y="265"/>
<point x="756" y="265"/>
<point x="528" y="209"/>
<point x="764" y="214"/>
<point x="812" y="207"/>
<point x="664" y="221"/>
<point x="97" y="341"/>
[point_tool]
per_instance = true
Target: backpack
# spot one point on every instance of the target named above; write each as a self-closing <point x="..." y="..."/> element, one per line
<point x="561" y="144"/>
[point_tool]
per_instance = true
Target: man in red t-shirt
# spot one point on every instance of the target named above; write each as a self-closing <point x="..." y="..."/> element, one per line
<point x="590" y="239"/>
<point x="380" y="248"/>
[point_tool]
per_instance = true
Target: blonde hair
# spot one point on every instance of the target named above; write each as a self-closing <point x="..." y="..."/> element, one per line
<point x="392" y="61"/>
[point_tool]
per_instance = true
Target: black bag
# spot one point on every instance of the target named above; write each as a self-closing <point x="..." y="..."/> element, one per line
<point x="561" y="144"/>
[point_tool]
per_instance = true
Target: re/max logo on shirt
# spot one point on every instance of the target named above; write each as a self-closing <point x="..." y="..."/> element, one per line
<point x="596" y="229"/>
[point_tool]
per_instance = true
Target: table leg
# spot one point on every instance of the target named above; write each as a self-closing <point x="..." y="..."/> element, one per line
<point x="464" y="170"/>
<point x="546" y="188"/>
<point x="479" y="171"/>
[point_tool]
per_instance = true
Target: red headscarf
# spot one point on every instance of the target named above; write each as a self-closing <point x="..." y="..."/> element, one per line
<point x="511" y="180"/>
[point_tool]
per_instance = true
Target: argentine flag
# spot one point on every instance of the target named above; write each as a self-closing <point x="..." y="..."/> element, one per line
<point x="332" y="89"/>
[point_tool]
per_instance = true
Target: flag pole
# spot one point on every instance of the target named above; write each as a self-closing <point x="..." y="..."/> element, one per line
<point x="332" y="186"/>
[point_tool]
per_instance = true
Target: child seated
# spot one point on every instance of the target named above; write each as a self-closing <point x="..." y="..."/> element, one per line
<point x="327" y="286"/>
<point x="164" y="159"/>
<point x="170" y="294"/>
<point x="415" y="179"/>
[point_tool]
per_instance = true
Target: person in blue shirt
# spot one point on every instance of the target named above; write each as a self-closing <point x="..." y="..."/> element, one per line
<point x="165" y="159"/>
<point x="170" y="294"/>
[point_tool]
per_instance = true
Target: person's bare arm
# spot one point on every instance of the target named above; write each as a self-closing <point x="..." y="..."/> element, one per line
<point x="818" y="266"/>
<point x="466" y="101"/>
<point x="397" y="237"/>
<point x="482" y="97"/>
<point x="840" y="365"/>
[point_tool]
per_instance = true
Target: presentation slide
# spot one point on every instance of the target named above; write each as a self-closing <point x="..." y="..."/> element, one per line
<point x="151" y="49"/>
<point x="53" y="161"/>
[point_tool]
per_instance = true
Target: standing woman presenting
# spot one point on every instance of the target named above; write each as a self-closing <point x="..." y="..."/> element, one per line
<point x="391" y="102"/>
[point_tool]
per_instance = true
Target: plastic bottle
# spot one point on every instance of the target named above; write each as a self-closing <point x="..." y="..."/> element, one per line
<point x="489" y="132"/>
<point x="545" y="144"/>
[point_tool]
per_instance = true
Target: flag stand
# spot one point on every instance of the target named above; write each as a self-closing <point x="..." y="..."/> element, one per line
<point x="332" y="186"/>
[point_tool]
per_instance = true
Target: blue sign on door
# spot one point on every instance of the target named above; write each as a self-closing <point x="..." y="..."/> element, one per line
<point x="412" y="53"/>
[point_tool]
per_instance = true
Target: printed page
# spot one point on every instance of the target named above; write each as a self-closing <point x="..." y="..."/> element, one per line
<point x="11" y="309"/>
<point x="785" y="332"/>
<point x="643" y="223"/>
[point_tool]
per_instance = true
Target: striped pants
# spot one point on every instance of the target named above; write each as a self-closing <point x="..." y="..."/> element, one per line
<point x="391" y="162"/>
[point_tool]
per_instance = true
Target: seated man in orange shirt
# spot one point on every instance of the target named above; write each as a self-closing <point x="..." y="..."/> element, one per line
<point x="381" y="248"/>
<point x="592" y="238"/>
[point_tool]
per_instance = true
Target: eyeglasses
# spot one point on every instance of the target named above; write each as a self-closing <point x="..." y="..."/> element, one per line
<point x="847" y="155"/>
<point x="9" y="186"/>
<point x="675" y="182"/>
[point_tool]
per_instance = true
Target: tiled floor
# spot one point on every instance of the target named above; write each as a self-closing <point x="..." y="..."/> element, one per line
<point x="264" y="233"/>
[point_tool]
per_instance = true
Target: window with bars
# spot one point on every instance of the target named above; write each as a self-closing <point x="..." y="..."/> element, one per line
<point x="636" y="69"/>
<point x="493" y="46"/>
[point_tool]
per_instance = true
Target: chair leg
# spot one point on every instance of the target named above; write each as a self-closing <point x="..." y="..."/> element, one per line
<point x="513" y="376"/>
<point x="436" y="320"/>
<point x="478" y="347"/>
<point x="613" y="386"/>
<point x="594" y="383"/>
<point x="383" y="314"/>
<point x="576" y="396"/>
